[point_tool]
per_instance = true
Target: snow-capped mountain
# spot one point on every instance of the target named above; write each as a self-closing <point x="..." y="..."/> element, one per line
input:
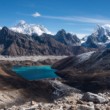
<point x="101" y="37"/>
<point x="23" y="27"/>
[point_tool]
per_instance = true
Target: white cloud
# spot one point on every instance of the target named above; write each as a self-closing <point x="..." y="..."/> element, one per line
<point x="36" y="14"/>
<point x="81" y="35"/>
<point x="76" y="18"/>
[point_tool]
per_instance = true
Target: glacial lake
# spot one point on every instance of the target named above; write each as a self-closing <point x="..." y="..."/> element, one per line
<point x="35" y="72"/>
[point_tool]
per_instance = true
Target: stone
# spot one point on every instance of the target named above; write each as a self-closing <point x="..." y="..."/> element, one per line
<point x="33" y="103"/>
<point x="94" y="98"/>
<point x="108" y="108"/>
<point x="80" y="102"/>
<point x="85" y="107"/>
<point x="90" y="103"/>
<point x="72" y="108"/>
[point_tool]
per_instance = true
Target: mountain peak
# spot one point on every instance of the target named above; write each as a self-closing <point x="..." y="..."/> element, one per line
<point x="25" y="28"/>
<point x="5" y="29"/>
<point x="61" y="32"/>
<point x="22" y="22"/>
<point x="101" y="37"/>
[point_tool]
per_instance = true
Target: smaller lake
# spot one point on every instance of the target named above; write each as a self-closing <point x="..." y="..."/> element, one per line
<point x="35" y="72"/>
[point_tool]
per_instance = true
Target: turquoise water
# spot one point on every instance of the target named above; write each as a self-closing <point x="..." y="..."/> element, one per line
<point x="35" y="72"/>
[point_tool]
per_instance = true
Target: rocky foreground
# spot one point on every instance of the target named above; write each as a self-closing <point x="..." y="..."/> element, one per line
<point x="74" y="101"/>
<point x="51" y="94"/>
<point x="92" y="91"/>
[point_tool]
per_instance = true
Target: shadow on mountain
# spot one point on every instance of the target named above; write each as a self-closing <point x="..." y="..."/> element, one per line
<point x="88" y="72"/>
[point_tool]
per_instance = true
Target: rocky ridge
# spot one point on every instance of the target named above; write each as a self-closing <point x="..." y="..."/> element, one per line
<point x="88" y="71"/>
<point x="17" y="44"/>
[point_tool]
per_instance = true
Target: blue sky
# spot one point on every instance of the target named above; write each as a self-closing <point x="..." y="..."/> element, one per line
<point x="77" y="16"/>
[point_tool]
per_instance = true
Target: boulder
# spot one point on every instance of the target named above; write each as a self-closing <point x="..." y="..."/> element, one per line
<point x="85" y="107"/>
<point x="91" y="97"/>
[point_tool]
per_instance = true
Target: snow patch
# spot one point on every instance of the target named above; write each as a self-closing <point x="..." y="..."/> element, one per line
<point x="23" y="27"/>
<point x="84" y="56"/>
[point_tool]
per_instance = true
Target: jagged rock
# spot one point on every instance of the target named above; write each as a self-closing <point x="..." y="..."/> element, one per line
<point x="17" y="44"/>
<point x="67" y="38"/>
<point x="93" y="98"/>
<point x="72" y="108"/>
<point x="99" y="38"/>
<point x="33" y="103"/>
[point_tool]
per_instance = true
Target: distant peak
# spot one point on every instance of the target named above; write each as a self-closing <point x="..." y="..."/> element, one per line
<point x="25" y="28"/>
<point x="62" y="31"/>
<point x="22" y="22"/>
<point x="105" y="26"/>
<point x="5" y="28"/>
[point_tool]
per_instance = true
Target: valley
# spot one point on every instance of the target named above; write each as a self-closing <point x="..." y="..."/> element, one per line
<point x="42" y="71"/>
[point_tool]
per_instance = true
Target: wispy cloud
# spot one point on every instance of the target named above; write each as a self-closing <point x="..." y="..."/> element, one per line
<point x="80" y="19"/>
<point x="75" y="19"/>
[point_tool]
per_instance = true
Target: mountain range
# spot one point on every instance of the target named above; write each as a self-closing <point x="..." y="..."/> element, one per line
<point x="32" y="39"/>
<point x="18" y="44"/>
<point x="99" y="38"/>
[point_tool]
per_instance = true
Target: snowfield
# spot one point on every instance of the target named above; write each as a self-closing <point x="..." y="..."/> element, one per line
<point x="29" y="58"/>
<point x="84" y="56"/>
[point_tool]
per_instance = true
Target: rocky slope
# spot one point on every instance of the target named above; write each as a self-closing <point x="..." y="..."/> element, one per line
<point x="17" y="44"/>
<point x="15" y="90"/>
<point x="17" y="93"/>
<point x="75" y="101"/>
<point x="67" y="38"/>
<point x="89" y="71"/>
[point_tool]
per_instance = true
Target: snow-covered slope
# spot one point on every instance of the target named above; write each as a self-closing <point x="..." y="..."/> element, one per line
<point x="100" y="37"/>
<point x="23" y="27"/>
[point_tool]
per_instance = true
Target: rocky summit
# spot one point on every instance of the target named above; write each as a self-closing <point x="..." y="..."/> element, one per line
<point x="67" y="38"/>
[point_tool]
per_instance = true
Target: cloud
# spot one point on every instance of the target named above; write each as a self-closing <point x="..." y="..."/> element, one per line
<point x="75" y="19"/>
<point x="80" y="19"/>
<point x="36" y="14"/>
<point x="81" y="35"/>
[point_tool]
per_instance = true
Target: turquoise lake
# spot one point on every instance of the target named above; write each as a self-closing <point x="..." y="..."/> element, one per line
<point x="35" y="72"/>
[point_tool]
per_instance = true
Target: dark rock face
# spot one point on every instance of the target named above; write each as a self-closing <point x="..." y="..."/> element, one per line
<point x="91" y="42"/>
<point x="67" y="38"/>
<point x="89" y="72"/>
<point x="16" y="44"/>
